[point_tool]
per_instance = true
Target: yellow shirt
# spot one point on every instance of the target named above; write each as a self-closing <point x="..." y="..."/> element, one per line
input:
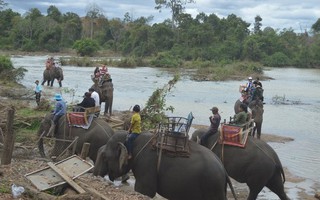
<point x="136" y="123"/>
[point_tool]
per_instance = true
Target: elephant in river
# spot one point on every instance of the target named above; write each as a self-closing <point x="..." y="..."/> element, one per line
<point x="106" y="95"/>
<point x="257" y="164"/>
<point x="256" y="107"/>
<point x="51" y="73"/>
<point x="199" y="176"/>
<point x="97" y="135"/>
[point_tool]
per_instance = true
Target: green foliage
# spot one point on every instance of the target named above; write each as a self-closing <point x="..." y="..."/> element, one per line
<point x="278" y="59"/>
<point x="86" y="47"/>
<point x="5" y="63"/>
<point x="154" y="111"/>
<point x="166" y="60"/>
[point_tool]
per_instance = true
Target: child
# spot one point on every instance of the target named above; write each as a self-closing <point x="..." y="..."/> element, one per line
<point x="134" y="129"/>
<point x="37" y="91"/>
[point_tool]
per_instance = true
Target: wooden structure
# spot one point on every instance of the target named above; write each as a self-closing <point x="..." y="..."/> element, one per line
<point x="60" y="173"/>
<point x="173" y="135"/>
<point x="81" y="118"/>
<point x="236" y="135"/>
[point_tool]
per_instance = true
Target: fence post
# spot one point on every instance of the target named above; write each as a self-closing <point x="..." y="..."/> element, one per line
<point x="9" y="139"/>
<point x="85" y="150"/>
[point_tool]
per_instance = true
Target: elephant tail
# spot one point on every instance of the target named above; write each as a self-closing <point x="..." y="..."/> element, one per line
<point x="231" y="186"/>
<point x="280" y="168"/>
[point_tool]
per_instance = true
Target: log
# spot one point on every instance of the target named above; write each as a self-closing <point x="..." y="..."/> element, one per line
<point x="9" y="139"/>
<point x="92" y="191"/>
<point x="85" y="150"/>
<point x="317" y="195"/>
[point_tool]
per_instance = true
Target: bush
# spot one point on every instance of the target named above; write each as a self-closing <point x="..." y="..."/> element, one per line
<point x="5" y="63"/>
<point x="166" y="60"/>
<point x="278" y="59"/>
<point x="86" y="47"/>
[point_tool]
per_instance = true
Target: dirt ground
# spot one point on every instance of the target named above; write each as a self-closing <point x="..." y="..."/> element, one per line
<point x="27" y="160"/>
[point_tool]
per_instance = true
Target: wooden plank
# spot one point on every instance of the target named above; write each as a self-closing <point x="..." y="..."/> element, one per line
<point x="66" y="178"/>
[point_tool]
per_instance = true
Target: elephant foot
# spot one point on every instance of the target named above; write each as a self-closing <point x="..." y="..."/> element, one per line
<point x="125" y="178"/>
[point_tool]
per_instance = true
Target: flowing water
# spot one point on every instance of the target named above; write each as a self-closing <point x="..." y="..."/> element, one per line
<point x="297" y="118"/>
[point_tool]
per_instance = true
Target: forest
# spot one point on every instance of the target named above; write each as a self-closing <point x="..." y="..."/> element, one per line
<point x="205" y="38"/>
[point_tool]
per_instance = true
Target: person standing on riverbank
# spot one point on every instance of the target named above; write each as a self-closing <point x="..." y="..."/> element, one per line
<point x="37" y="92"/>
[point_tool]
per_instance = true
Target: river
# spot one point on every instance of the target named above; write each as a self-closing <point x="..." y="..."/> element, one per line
<point x="298" y="118"/>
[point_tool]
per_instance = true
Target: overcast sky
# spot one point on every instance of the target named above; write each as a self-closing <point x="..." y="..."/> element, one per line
<point x="279" y="14"/>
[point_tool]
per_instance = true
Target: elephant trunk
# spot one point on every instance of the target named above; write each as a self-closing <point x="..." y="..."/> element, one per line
<point x="40" y="142"/>
<point x="51" y="129"/>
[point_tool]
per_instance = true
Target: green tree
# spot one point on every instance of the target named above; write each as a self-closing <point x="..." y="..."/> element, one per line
<point x="257" y="25"/>
<point x="86" y="47"/>
<point x="176" y="7"/>
<point x="54" y="13"/>
<point x="71" y="29"/>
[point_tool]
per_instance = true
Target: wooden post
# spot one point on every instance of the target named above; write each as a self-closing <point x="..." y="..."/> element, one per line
<point x="85" y="150"/>
<point x="9" y="139"/>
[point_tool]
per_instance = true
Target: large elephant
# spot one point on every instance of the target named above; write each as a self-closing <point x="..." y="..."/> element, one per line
<point x="106" y="95"/>
<point x="200" y="176"/>
<point x="97" y="135"/>
<point x="256" y="107"/>
<point x="49" y="74"/>
<point x="257" y="164"/>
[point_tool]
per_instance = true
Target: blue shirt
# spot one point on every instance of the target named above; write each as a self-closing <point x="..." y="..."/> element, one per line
<point x="61" y="108"/>
<point x="38" y="89"/>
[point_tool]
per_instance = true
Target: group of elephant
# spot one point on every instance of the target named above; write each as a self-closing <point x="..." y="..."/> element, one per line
<point x="203" y="175"/>
<point x="105" y="90"/>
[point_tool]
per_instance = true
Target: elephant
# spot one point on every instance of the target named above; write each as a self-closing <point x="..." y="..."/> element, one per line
<point x="200" y="176"/>
<point x="49" y="74"/>
<point x="257" y="164"/>
<point x="106" y="95"/>
<point x="256" y="107"/>
<point x="97" y="135"/>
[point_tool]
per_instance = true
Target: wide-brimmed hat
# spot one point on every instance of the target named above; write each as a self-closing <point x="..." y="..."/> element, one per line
<point x="57" y="97"/>
<point x="250" y="78"/>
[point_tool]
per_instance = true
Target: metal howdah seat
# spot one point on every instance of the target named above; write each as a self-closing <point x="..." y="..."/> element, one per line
<point x="173" y="134"/>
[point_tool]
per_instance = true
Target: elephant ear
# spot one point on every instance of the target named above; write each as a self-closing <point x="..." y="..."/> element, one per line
<point x="123" y="155"/>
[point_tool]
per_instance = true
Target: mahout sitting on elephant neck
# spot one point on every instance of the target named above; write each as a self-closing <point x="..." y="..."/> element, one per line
<point x="97" y="135"/>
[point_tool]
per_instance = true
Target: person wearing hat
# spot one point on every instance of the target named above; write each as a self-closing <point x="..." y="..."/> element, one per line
<point x="60" y="108"/>
<point x="214" y="125"/>
<point x="87" y="102"/>
<point x="37" y="92"/>
<point x="134" y="129"/>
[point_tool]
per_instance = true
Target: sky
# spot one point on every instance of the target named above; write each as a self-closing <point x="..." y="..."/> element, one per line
<point x="299" y="15"/>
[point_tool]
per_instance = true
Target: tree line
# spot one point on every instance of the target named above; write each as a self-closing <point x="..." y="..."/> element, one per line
<point x="183" y="38"/>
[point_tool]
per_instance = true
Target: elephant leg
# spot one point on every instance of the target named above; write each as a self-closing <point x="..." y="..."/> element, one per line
<point x="48" y="82"/>
<point x="253" y="194"/>
<point x="60" y="83"/>
<point x="258" y="126"/>
<point x="254" y="131"/>
<point x="43" y="82"/>
<point x="52" y="81"/>
<point x="275" y="184"/>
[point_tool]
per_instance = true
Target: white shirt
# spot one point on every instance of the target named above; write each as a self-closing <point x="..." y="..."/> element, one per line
<point x="96" y="98"/>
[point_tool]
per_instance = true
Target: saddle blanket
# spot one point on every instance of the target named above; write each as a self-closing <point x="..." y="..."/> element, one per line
<point x="80" y="119"/>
